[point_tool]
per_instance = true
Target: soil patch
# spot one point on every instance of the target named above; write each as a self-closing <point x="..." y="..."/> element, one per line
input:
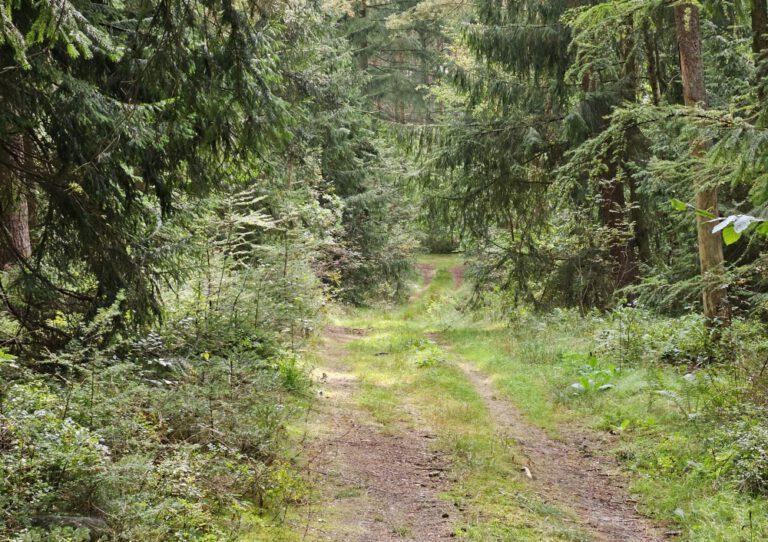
<point x="378" y="485"/>
<point x="458" y="275"/>
<point x="427" y="272"/>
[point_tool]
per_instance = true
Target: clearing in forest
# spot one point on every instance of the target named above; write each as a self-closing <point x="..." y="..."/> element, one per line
<point x="412" y="442"/>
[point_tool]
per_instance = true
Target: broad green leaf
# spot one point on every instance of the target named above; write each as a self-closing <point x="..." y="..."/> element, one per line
<point x="678" y="205"/>
<point x="730" y="235"/>
<point x="705" y="214"/>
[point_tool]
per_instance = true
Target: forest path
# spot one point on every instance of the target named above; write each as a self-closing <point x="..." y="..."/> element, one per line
<point x="378" y="483"/>
<point x="390" y="458"/>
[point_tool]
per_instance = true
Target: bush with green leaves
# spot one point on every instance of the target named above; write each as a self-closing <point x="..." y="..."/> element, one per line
<point x="632" y="335"/>
<point x="49" y="463"/>
<point x="739" y="453"/>
<point x="145" y="453"/>
<point x="172" y="434"/>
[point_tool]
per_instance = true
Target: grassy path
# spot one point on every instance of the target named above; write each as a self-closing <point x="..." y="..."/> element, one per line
<point x="378" y="482"/>
<point x="414" y="442"/>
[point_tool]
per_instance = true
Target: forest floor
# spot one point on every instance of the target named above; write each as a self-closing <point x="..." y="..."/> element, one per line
<point x="412" y="440"/>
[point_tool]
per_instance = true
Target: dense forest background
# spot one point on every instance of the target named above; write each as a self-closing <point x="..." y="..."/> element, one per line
<point x="186" y="186"/>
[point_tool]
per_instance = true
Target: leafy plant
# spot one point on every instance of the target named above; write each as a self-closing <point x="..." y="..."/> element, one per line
<point x="593" y="377"/>
<point x="740" y="453"/>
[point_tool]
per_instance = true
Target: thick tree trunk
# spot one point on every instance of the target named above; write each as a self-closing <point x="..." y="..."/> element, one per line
<point x="710" y="244"/>
<point x="691" y="59"/>
<point x="17" y="223"/>
<point x="613" y="210"/>
<point x="613" y="206"/>
<point x="14" y="212"/>
<point x="615" y="215"/>
<point x="711" y="259"/>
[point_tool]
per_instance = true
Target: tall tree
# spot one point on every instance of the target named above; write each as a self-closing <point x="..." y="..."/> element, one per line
<point x="711" y="260"/>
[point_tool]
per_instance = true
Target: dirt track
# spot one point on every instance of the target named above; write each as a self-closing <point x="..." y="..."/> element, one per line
<point x="380" y="485"/>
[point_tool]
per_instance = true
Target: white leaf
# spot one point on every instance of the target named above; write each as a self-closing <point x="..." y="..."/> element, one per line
<point x="742" y="222"/>
<point x="723" y="223"/>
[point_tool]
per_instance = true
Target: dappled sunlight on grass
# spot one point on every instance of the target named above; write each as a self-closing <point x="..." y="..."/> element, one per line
<point x="654" y="410"/>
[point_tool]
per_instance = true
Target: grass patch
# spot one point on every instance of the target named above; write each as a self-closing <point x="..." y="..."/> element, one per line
<point x="665" y="416"/>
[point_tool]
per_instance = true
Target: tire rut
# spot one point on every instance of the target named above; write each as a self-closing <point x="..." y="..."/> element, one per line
<point x="377" y="485"/>
<point x="574" y="473"/>
<point x="385" y="486"/>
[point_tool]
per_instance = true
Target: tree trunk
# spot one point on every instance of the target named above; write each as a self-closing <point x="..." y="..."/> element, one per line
<point x="691" y="59"/>
<point x="760" y="43"/>
<point x="759" y="26"/>
<point x="17" y="223"/>
<point x="642" y="240"/>
<point x="653" y="67"/>
<point x="612" y="200"/>
<point x="362" y="58"/>
<point x="14" y="211"/>
<point x="694" y="94"/>
<point x="612" y="211"/>
<point x="629" y="64"/>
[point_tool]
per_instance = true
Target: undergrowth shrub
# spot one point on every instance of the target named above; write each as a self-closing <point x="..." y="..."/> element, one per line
<point x="48" y="461"/>
<point x="739" y="451"/>
<point x="713" y="393"/>
<point x="153" y="454"/>
<point x="428" y="354"/>
<point x="633" y="335"/>
<point x="593" y="376"/>
<point x="173" y="434"/>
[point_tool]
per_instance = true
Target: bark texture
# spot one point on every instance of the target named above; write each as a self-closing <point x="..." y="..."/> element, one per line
<point x="613" y="210"/>
<point x="711" y="258"/>
<point x="14" y="210"/>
